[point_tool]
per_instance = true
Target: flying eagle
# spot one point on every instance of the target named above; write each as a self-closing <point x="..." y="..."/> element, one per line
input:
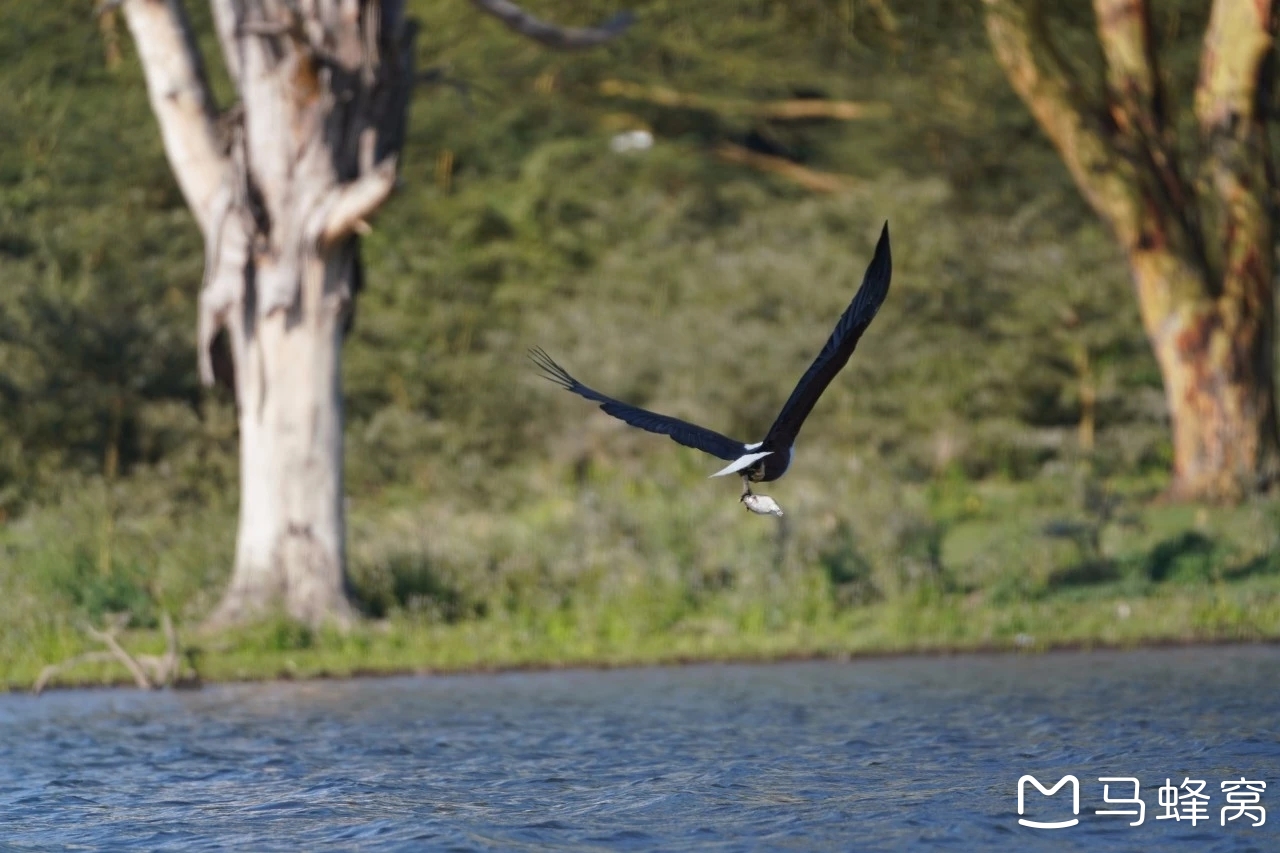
<point x="769" y="459"/>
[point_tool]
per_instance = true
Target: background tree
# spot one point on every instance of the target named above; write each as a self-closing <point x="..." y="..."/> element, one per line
<point x="487" y="522"/>
<point x="281" y="186"/>
<point x="1199" y="243"/>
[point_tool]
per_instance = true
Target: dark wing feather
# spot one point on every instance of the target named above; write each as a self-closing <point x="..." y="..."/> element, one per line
<point x="683" y="432"/>
<point x="855" y="320"/>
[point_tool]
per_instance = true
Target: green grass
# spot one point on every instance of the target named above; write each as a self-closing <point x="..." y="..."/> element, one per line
<point x="620" y="572"/>
<point x="618" y="636"/>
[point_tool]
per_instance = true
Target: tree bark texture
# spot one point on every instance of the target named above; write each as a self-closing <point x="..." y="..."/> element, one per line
<point x="281" y="185"/>
<point x="1199" y="245"/>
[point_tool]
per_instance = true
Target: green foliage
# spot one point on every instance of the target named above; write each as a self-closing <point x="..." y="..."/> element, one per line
<point x="1186" y="557"/>
<point x="286" y="635"/>
<point x="490" y="510"/>
<point x="848" y="571"/>
<point x="94" y="593"/>
<point x="409" y="583"/>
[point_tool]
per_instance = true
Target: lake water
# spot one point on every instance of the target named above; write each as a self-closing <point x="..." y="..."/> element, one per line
<point x="892" y="754"/>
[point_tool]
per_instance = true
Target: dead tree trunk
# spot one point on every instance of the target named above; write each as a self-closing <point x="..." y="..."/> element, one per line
<point x="1200" y="252"/>
<point x="281" y="186"/>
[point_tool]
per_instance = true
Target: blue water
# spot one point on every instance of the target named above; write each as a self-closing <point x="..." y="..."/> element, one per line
<point x="894" y="754"/>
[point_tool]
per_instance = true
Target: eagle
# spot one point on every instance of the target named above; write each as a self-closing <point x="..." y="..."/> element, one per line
<point x="768" y="459"/>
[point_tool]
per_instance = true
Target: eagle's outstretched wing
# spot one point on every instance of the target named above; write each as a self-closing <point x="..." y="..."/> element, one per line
<point x="683" y="432"/>
<point x="855" y="320"/>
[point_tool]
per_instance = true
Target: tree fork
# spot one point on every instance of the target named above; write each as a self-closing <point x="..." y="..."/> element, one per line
<point x="1203" y="287"/>
<point x="282" y="185"/>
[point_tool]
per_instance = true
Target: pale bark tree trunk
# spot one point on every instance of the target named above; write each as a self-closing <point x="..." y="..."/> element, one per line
<point x="1200" y="255"/>
<point x="281" y="186"/>
<point x="290" y="544"/>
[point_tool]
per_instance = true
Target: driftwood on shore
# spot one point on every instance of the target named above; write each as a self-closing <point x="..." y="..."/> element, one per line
<point x="150" y="672"/>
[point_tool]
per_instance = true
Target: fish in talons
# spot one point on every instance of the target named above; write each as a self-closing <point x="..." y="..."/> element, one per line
<point x="761" y="504"/>
<point x="766" y="460"/>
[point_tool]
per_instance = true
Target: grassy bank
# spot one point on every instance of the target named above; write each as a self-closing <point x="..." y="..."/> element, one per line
<point x="985" y="473"/>
<point x="1244" y="613"/>
<point x="977" y="566"/>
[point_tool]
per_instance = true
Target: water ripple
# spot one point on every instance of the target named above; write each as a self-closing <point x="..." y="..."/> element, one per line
<point x="875" y="755"/>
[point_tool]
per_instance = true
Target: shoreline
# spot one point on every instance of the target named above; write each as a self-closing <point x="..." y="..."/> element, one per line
<point x="814" y="656"/>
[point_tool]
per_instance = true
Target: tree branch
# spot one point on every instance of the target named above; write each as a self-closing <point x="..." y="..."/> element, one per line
<point x="1138" y="106"/>
<point x="353" y="202"/>
<point x="181" y="99"/>
<point x="226" y="255"/>
<point x="1239" y="38"/>
<point x="165" y="669"/>
<point x="810" y="179"/>
<point x="1038" y="75"/>
<point x="550" y="35"/>
<point x="47" y="674"/>
<point x="1114" y="171"/>
<point x="108" y="639"/>
<point x="1124" y="29"/>
<point x="1229" y="106"/>
<point x="795" y="109"/>
<point x="347" y="207"/>
<point x="225" y="23"/>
